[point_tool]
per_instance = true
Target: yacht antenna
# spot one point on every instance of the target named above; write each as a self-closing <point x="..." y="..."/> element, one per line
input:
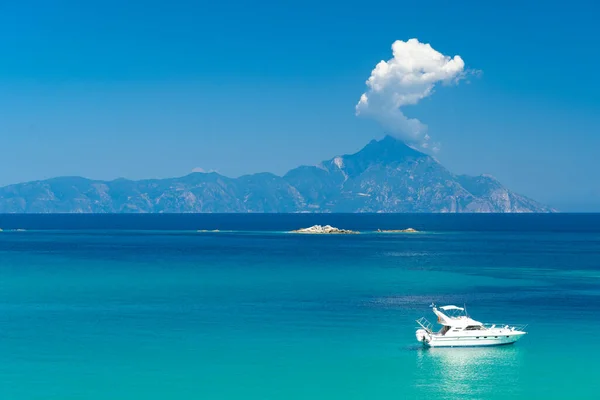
<point x="465" y="307"/>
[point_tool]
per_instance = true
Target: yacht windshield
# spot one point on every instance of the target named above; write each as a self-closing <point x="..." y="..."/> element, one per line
<point x="456" y="313"/>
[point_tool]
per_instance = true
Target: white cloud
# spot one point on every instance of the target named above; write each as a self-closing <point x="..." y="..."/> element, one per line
<point x="408" y="77"/>
<point x="204" y="171"/>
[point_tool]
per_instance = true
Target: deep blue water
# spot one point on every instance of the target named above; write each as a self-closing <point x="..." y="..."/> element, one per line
<point x="144" y="306"/>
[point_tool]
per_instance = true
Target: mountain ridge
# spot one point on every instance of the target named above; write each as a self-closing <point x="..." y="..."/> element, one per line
<point x="384" y="176"/>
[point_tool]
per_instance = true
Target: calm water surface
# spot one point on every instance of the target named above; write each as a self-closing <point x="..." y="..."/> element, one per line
<point x="127" y="307"/>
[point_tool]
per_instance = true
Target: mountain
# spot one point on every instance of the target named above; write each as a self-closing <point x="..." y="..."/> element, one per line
<point x="389" y="176"/>
<point x="385" y="176"/>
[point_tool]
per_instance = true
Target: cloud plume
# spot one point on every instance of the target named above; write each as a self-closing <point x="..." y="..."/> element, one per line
<point x="409" y="76"/>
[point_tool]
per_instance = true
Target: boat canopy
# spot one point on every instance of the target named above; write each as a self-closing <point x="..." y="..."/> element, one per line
<point x="446" y="308"/>
<point x="456" y="317"/>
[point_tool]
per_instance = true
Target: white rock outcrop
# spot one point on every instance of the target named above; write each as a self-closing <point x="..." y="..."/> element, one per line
<point x="327" y="229"/>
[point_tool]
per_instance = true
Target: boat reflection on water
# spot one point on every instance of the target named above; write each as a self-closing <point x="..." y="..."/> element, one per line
<point x="482" y="372"/>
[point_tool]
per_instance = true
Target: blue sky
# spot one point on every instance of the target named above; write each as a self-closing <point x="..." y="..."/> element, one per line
<point x="142" y="89"/>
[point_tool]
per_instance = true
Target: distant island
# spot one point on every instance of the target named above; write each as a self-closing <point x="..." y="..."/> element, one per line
<point x="331" y="230"/>
<point x="386" y="176"/>
<point x="327" y="229"/>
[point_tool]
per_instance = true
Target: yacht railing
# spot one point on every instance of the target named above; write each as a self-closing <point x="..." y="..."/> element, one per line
<point x="512" y="327"/>
<point x="425" y="324"/>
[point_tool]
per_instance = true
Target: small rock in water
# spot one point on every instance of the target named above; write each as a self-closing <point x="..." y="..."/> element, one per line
<point x="407" y="230"/>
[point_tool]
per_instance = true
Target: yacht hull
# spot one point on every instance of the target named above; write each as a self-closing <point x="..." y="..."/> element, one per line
<point x="466" y="341"/>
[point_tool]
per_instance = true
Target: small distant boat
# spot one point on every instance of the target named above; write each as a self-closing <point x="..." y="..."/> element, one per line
<point x="459" y="330"/>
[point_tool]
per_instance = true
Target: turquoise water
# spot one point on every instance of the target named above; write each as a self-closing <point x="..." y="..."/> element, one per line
<point x="174" y="314"/>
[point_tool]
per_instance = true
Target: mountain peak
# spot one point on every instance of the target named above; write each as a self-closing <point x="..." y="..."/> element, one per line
<point x="390" y="144"/>
<point x="387" y="150"/>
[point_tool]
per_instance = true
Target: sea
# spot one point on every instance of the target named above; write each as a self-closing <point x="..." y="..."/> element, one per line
<point x="232" y="306"/>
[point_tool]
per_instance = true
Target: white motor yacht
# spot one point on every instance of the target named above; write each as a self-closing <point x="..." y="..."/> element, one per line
<point x="459" y="330"/>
